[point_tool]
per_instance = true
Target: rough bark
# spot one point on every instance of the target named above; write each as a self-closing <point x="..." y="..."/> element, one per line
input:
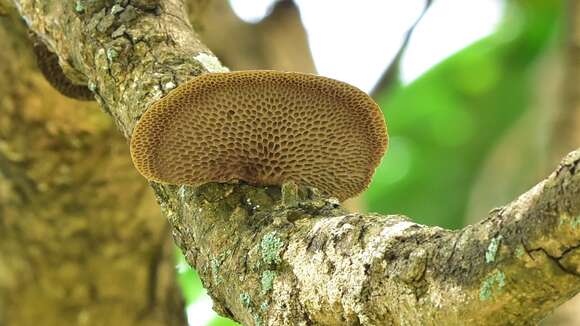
<point x="290" y="255"/>
<point x="82" y="241"/>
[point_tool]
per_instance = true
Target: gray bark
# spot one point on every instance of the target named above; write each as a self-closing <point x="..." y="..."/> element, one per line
<point x="290" y="255"/>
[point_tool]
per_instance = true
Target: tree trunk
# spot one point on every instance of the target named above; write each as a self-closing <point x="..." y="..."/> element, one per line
<point x="290" y="256"/>
<point x="82" y="241"/>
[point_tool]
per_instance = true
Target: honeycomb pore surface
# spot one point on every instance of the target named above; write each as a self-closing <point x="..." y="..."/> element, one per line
<point x="265" y="128"/>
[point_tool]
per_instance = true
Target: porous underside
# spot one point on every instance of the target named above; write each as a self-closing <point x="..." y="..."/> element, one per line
<point x="262" y="127"/>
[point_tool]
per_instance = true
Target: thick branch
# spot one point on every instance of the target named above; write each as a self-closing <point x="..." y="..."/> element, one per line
<point x="292" y="256"/>
<point x="271" y="257"/>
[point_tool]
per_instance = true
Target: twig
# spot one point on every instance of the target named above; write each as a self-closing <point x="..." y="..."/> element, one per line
<point x="388" y="78"/>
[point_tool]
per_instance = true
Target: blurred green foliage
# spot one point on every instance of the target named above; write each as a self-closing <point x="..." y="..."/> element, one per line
<point x="192" y="288"/>
<point x="188" y="280"/>
<point x="443" y="125"/>
<point x="220" y="321"/>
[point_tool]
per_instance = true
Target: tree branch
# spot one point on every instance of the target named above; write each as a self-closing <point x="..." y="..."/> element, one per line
<point x="290" y="255"/>
<point x="267" y="256"/>
<point x="392" y="72"/>
<point x="566" y="129"/>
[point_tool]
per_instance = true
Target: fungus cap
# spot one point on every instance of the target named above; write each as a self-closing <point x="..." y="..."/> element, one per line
<point x="265" y="128"/>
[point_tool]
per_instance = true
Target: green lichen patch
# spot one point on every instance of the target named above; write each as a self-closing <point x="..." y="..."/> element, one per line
<point x="215" y="269"/>
<point x="112" y="54"/>
<point x="267" y="281"/>
<point x="575" y="222"/>
<point x="245" y="299"/>
<point x="79" y="6"/>
<point x="492" y="249"/>
<point x="520" y="251"/>
<point x="264" y="306"/>
<point x="257" y="320"/>
<point x="271" y="246"/>
<point x="215" y="265"/>
<point x="493" y="283"/>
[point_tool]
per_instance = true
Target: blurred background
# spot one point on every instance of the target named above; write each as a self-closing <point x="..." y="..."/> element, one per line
<point x="470" y="91"/>
<point x="478" y="98"/>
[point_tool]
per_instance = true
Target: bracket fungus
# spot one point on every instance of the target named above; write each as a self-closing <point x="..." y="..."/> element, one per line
<point x="264" y="128"/>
